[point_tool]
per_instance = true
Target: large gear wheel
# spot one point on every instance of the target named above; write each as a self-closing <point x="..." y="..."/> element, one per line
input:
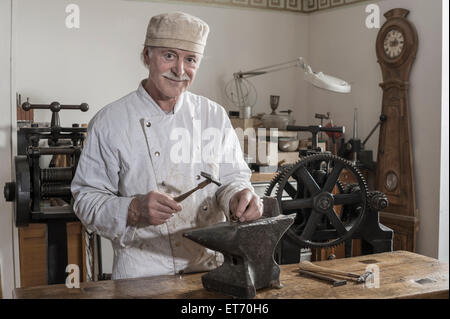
<point x="321" y="202"/>
<point x="274" y="182"/>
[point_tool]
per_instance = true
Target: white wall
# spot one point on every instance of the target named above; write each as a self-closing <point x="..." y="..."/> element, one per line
<point x="341" y="44"/>
<point x="444" y="210"/>
<point x="6" y="246"/>
<point x="99" y="62"/>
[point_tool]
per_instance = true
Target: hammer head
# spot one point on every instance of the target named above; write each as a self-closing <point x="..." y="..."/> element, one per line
<point x="210" y="178"/>
<point x="365" y="277"/>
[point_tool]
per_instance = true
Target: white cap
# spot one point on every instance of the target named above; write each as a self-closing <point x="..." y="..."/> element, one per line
<point x="177" y="30"/>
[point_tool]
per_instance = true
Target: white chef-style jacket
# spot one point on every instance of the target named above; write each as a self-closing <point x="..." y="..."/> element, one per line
<point x="134" y="147"/>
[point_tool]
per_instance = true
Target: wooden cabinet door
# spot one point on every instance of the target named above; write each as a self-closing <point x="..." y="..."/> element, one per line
<point x="33" y="252"/>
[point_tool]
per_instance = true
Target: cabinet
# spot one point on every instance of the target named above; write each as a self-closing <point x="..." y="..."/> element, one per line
<point x="33" y="252"/>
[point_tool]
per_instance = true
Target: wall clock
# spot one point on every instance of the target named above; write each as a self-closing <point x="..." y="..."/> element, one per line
<point x="396" y="48"/>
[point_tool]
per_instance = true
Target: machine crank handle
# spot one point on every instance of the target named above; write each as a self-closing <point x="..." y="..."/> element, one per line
<point x="315" y="129"/>
<point x="55" y="106"/>
<point x="383" y="118"/>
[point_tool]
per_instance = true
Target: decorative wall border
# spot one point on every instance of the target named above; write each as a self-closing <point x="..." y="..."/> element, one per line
<point x="301" y="6"/>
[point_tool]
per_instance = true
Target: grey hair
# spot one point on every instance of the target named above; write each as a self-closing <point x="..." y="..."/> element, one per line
<point x="146" y="50"/>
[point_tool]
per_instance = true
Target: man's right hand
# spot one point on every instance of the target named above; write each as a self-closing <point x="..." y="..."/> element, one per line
<point x="155" y="208"/>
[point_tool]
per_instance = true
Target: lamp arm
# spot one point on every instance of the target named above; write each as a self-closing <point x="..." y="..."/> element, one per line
<point x="319" y="79"/>
<point x="273" y="68"/>
<point x="239" y="76"/>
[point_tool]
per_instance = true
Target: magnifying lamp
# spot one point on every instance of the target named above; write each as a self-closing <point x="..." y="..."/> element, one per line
<point x="319" y="79"/>
<point x="327" y="82"/>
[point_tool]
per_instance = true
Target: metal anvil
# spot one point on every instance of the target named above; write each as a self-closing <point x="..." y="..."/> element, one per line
<point x="248" y="250"/>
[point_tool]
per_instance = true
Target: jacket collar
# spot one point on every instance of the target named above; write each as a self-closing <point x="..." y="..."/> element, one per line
<point x="155" y="108"/>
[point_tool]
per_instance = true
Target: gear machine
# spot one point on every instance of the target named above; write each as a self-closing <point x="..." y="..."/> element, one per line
<point x="328" y="212"/>
<point x="33" y="185"/>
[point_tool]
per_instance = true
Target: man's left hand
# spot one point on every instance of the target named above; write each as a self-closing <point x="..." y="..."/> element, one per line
<point x="246" y="205"/>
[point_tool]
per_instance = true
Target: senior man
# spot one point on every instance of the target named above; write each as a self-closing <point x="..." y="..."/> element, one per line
<point x="146" y="148"/>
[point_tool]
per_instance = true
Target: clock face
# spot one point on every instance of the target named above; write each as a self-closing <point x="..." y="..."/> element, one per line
<point x="394" y="42"/>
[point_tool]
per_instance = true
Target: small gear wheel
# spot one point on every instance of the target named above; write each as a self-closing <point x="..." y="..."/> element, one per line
<point x="319" y="200"/>
<point x="377" y="200"/>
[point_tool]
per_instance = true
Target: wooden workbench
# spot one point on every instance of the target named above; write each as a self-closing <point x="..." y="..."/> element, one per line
<point x="262" y="177"/>
<point x="402" y="275"/>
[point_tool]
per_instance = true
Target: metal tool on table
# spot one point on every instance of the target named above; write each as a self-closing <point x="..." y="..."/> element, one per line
<point x="306" y="266"/>
<point x="334" y="281"/>
<point x="209" y="179"/>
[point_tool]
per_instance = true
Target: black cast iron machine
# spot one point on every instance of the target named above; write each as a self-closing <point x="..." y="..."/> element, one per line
<point x="327" y="211"/>
<point x="34" y="186"/>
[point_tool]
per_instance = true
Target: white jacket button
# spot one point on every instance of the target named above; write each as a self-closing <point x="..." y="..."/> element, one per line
<point x="157" y="154"/>
<point x="148" y="124"/>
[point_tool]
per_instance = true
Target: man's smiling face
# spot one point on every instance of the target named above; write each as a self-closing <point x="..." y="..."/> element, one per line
<point x="171" y="71"/>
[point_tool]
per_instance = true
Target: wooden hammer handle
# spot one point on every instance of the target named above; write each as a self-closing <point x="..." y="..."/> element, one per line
<point x="334" y="281"/>
<point x="187" y="194"/>
<point x="308" y="266"/>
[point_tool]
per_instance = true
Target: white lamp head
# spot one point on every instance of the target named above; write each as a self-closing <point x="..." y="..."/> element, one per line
<point x="326" y="82"/>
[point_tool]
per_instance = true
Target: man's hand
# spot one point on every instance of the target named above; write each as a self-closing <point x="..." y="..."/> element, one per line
<point x="246" y="205"/>
<point x="155" y="208"/>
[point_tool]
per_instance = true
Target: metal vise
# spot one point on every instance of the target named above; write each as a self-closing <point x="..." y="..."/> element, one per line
<point x="248" y="250"/>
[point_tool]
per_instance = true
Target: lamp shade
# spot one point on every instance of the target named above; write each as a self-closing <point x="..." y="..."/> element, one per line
<point x="327" y="82"/>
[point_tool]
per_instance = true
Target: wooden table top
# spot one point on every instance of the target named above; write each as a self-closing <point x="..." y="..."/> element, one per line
<point x="262" y="177"/>
<point x="402" y="275"/>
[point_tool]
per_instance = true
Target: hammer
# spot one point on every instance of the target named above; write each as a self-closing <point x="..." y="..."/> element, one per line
<point x="335" y="282"/>
<point x="310" y="267"/>
<point x="209" y="179"/>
